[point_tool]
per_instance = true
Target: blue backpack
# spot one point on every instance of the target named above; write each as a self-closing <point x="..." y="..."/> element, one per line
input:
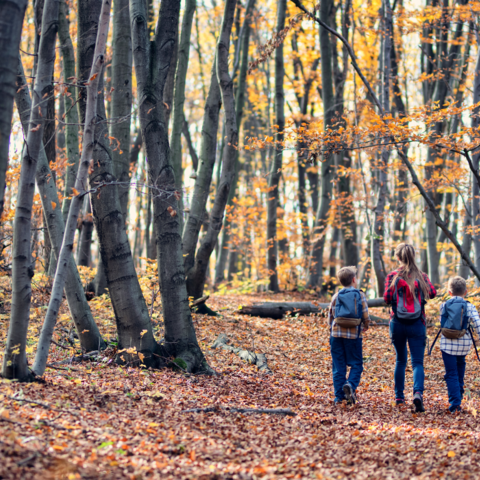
<point x="348" y="308"/>
<point x="454" y="319"/>
<point x="454" y="322"/>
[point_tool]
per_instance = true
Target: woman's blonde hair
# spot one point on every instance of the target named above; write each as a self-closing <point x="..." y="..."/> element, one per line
<point x="408" y="270"/>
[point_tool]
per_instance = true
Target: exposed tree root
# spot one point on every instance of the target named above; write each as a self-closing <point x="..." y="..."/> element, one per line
<point x="258" y="359"/>
<point x="270" y="411"/>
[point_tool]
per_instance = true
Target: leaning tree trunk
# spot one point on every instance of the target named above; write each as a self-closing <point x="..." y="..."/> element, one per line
<point x="151" y="68"/>
<point x="11" y="21"/>
<point x="179" y="99"/>
<point x="197" y="277"/>
<point x="88" y="333"/>
<point x="316" y="260"/>
<point x="221" y="262"/>
<point x="121" y="100"/>
<point x="208" y="150"/>
<point x="15" y="360"/>
<point x="276" y="167"/>
<point x="125" y="297"/>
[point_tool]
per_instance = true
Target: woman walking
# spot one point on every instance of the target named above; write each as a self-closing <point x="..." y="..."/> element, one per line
<point x="407" y="289"/>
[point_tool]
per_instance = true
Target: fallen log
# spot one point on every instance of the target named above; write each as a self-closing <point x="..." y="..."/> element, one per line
<point x="258" y="359"/>
<point x="277" y="310"/>
<point x="270" y="411"/>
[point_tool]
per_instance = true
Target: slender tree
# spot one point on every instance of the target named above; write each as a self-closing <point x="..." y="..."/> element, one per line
<point x="178" y="117"/>
<point x="15" y="360"/>
<point x="276" y="167"/>
<point x="87" y="330"/>
<point x="11" y="21"/>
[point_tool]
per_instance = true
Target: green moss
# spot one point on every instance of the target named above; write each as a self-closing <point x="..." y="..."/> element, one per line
<point x="180" y="363"/>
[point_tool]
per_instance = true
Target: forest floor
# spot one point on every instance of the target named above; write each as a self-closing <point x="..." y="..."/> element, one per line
<point x="97" y="420"/>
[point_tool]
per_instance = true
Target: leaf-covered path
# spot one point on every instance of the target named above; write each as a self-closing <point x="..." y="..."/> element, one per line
<point x="96" y="420"/>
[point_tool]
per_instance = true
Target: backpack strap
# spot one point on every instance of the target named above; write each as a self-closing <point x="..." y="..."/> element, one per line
<point x="433" y="344"/>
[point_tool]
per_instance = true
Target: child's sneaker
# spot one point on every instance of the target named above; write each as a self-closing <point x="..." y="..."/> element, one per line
<point x="399" y="401"/>
<point x="349" y="394"/>
<point x="418" y="402"/>
<point x="456" y="408"/>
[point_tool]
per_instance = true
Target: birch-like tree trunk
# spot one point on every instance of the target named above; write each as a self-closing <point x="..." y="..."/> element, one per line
<point x="89" y="141"/>
<point x="178" y="118"/>
<point x="15" y="359"/>
<point x="276" y="167"/>
<point x="197" y="276"/>
<point x="121" y="99"/>
<point x="151" y="68"/>
<point x="11" y="21"/>
<point x="88" y="333"/>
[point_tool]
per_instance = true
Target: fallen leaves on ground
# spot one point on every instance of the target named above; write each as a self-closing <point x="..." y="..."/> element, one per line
<point x="97" y="420"/>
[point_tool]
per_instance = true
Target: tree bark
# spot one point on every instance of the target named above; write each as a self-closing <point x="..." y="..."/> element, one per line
<point x="316" y="259"/>
<point x="476" y="164"/>
<point x="15" y="360"/>
<point x="178" y="118"/>
<point x="121" y="99"/>
<point x="240" y="102"/>
<point x="208" y="150"/>
<point x="88" y="333"/>
<point x="151" y="67"/>
<point x="196" y="278"/>
<point x="278" y="309"/>
<point x="80" y="184"/>
<point x="86" y="232"/>
<point x="276" y="167"/>
<point x="378" y="231"/>
<point x="12" y="13"/>
<point x="71" y="115"/>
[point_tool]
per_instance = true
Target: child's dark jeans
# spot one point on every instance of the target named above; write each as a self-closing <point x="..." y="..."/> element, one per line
<point x="346" y="352"/>
<point x="454" y="376"/>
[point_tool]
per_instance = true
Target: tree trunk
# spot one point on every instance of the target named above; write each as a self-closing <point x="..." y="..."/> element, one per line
<point x="178" y="118"/>
<point x="464" y="270"/>
<point x="121" y="99"/>
<point x="89" y="143"/>
<point x="72" y="129"/>
<point x="276" y="168"/>
<point x="151" y="67"/>
<point x="88" y="333"/>
<point x="85" y="240"/>
<point x="196" y="278"/>
<point x="378" y="233"/>
<point x="316" y="260"/>
<point x="11" y="21"/>
<point x="15" y="360"/>
<point x="240" y="102"/>
<point x="203" y="181"/>
<point x="476" y="164"/>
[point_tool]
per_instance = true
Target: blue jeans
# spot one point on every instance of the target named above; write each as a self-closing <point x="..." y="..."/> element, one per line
<point x="416" y="337"/>
<point x="454" y="376"/>
<point x="346" y="352"/>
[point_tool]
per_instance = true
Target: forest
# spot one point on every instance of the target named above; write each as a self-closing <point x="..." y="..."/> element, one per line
<point x="180" y="183"/>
